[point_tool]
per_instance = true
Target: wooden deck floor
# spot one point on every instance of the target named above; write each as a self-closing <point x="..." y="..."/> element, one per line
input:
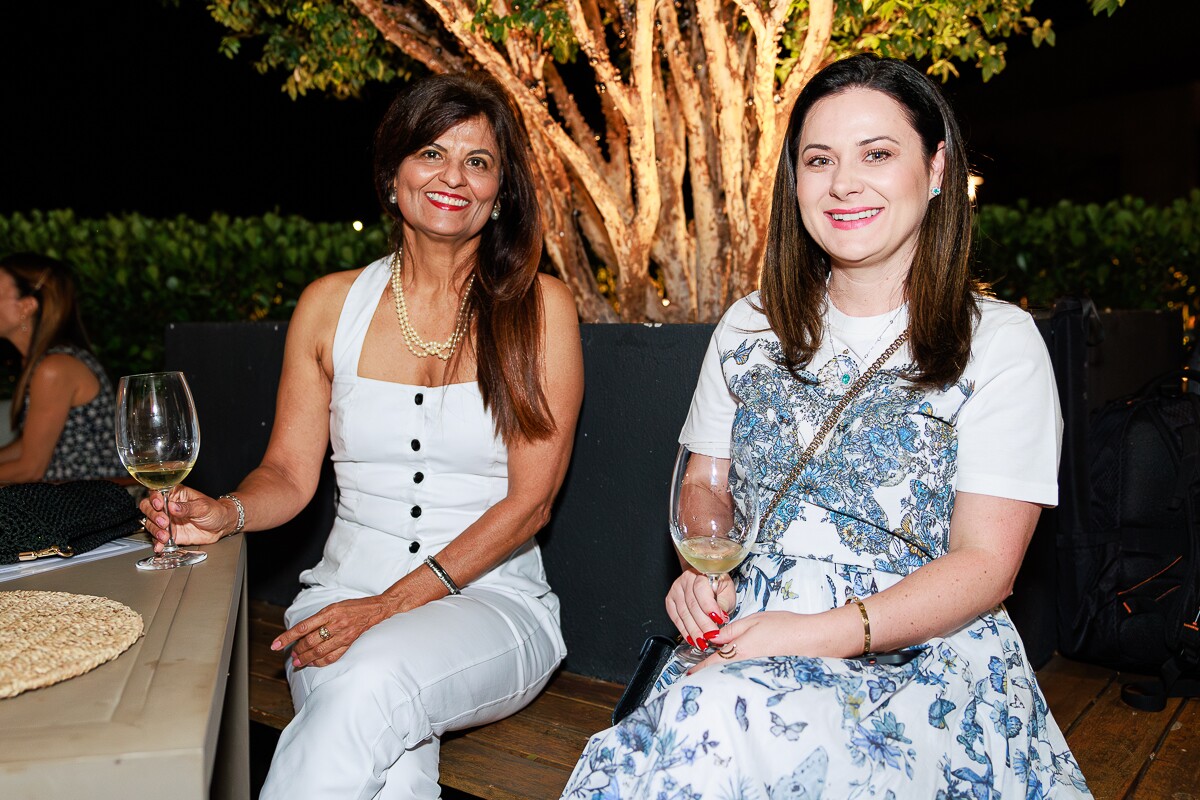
<point x="1125" y="754"/>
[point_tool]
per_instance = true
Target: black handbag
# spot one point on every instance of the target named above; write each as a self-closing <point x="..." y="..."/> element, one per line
<point x="39" y="520"/>
<point x="656" y="651"/>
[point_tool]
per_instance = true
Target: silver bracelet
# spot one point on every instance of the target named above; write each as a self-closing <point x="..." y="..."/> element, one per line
<point x="442" y="575"/>
<point x="241" y="523"/>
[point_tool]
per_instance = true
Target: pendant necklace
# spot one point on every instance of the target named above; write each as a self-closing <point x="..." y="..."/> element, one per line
<point x="844" y="377"/>
<point x="416" y="345"/>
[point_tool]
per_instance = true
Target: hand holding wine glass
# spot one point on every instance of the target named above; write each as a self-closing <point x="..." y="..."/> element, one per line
<point x="158" y="439"/>
<point x="714" y="516"/>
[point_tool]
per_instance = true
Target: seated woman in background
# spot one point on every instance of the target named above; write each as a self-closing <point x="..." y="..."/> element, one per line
<point x="62" y="407"/>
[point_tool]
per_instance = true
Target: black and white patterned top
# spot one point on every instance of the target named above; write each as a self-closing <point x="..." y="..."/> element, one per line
<point x="87" y="446"/>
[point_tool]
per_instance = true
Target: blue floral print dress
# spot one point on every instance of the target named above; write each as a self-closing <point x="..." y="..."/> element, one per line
<point x="964" y="718"/>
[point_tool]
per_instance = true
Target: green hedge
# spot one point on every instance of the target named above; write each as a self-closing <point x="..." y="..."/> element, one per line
<point x="1123" y="254"/>
<point x="136" y="274"/>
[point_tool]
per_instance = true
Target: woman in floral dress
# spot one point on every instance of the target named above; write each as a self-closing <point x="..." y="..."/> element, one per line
<point x="903" y="533"/>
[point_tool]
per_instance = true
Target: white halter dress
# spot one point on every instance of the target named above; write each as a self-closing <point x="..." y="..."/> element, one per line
<point x="415" y="465"/>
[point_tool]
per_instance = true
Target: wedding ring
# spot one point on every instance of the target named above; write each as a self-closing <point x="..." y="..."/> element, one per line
<point x="146" y="523"/>
<point x="728" y="651"/>
<point x="324" y="633"/>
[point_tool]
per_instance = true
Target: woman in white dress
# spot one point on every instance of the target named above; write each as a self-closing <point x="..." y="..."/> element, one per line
<point x="448" y="378"/>
<point x="903" y="533"/>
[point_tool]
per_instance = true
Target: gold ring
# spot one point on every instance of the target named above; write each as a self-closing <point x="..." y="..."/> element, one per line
<point x="728" y="651"/>
<point x="324" y="633"/>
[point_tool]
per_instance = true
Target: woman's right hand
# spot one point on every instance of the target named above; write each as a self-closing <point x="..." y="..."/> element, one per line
<point x="196" y="518"/>
<point x="695" y="609"/>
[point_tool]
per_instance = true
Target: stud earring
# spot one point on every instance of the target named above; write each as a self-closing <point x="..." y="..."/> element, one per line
<point x="392" y="197"/>
<point x="24" y="325"/>
<point x="496" y="211"/>
<point x="936" y="191"/>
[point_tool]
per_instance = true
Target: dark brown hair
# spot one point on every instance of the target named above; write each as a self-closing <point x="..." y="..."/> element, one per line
<point x="939" y="288"/>
<point x="56" y="321"/>
<point x="505" y="299"/>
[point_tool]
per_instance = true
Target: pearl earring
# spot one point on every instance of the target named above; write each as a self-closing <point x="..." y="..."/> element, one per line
<point x="936" y="191"/>
<point x="496" y="211"/>
<point x="392" y="197"/>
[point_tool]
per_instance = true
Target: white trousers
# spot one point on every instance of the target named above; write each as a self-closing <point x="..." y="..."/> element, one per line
<point x="368" y="725"/>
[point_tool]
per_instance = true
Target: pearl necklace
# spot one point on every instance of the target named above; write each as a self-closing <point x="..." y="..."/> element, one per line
<point x="416" y="345"/>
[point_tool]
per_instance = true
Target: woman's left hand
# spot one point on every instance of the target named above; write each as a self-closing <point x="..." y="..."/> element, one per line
<point x="343" y="623"/>
<point x="766" y="633"/>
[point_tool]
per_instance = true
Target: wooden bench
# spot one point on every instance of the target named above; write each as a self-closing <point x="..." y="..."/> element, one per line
<point x="639" y="381"/>
<point x="528" y="756"/>
<point x="1124" y="754"/>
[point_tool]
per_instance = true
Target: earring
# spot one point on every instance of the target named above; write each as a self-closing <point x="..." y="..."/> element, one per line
<point x="496" y="211"/>
<point x="392" y="196"/>
<point x="24" y="324"/>
<point x="936" y="191"/>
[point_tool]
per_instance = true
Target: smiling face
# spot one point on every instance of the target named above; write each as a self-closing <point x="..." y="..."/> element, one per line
<point x="864" y="180"/>
<point x="446" y="190"/>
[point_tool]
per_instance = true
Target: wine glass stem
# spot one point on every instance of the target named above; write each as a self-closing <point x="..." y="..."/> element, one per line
<point x="170" y="547"/>
<point x="713" y="580"/>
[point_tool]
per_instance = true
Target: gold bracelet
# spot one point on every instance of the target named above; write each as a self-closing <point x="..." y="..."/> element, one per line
<point x="862" y="609"/>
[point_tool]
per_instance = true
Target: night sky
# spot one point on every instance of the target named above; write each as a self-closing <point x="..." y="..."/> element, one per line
<point x="128" y="106"/>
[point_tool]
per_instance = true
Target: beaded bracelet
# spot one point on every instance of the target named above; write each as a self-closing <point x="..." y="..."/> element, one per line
<point x="442" y="575"/>
<point x="862" y="609"/>
<point x="241" y="523"/>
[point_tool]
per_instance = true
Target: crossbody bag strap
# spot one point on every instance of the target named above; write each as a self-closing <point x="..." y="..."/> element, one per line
<point x="830" y="421"/>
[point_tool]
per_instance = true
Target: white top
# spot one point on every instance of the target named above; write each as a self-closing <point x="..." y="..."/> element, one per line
<point x="1003" y="410"/>
<point x="415" y="465"/>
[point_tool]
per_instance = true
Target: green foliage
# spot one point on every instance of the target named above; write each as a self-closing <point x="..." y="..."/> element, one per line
<point x="321" y="44"/>
<point x="135" y="275"/>
<point x="1123" y="254"/>
<point x="329" y="46"/>
<point x="545" y="20"/>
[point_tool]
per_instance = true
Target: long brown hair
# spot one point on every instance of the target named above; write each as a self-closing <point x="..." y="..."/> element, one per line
<point x="505" y="299"/>
<point x="939" y="288"/>
<point x="56" y="321"/>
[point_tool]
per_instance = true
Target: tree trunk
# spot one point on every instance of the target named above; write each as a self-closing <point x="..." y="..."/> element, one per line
<point x="675" y="204"/>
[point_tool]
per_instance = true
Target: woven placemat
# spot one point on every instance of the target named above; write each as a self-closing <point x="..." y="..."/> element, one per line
<point x="47" y="637"/>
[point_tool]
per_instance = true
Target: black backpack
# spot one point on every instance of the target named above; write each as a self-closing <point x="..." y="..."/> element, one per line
<point x="1130" y="598"/>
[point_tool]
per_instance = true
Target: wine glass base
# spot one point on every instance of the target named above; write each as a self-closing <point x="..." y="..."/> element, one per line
<point x="176" y="558"/>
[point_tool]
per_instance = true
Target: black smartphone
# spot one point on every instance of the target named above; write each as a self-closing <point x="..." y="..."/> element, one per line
<point x="895" y="658"/>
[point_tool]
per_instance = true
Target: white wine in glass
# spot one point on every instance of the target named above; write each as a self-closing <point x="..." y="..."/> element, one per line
<point x="714" y="516"/>
<point x="158" y="439"/>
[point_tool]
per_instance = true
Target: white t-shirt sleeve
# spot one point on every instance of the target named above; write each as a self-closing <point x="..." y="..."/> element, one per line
<point x="1010" y="429"/>
<point x="709" y="422"/>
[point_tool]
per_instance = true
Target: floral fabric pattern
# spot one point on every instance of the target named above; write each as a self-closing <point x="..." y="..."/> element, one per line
<point x="87" y="446"/>
<point x="963" y="719"/>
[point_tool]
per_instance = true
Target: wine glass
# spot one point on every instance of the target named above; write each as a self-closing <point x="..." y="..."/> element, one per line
<point x="158" y="438"/>
<point x="714" y="516"/>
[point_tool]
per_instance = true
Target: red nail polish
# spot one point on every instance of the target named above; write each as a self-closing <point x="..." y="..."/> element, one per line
<point x="703" y="645"/>
<point x="715" y="617"/>
<point x="711" y="634"/>
<point x="688" y="639"/>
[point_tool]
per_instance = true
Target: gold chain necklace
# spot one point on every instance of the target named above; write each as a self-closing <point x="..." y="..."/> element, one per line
<point x="416" y="345"/>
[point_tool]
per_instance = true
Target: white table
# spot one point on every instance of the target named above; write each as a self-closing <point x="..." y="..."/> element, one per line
<point x="168" y="717"/>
